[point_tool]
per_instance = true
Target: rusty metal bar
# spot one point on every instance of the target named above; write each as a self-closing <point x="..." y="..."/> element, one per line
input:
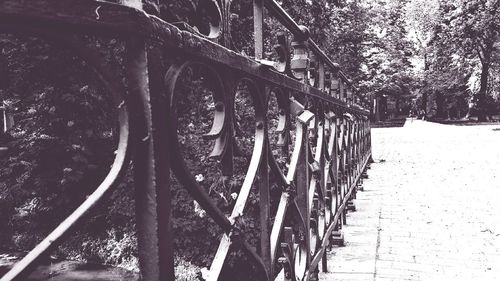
<point x="152" y="171"/>
<point x="258" y="28"/>
<point x="264" y="206"/>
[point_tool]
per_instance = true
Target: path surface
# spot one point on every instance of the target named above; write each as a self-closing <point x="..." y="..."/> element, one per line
<point x="430" y="209"/>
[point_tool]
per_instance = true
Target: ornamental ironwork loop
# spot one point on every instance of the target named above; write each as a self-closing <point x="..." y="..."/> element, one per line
<point x="322" y="134"/>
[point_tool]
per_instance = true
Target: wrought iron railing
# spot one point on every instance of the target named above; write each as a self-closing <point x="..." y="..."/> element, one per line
<point x="317" y="113"/>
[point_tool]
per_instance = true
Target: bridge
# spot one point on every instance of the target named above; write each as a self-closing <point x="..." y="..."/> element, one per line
<point x="425" y="211"/>
<point x="322" y="131"/>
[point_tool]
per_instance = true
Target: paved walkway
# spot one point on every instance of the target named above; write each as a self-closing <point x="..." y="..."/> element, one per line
<point x="430" y="209"/>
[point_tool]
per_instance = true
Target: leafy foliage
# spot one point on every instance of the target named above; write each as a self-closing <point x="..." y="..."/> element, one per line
<point x="59" y="151"/>
<point x="460" y="55"/>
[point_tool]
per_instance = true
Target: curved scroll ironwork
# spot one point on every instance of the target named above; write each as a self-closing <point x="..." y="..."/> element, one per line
<point x="220" y="130"/>
<point x="22" y="268"/>
<point x="209" y="19"/>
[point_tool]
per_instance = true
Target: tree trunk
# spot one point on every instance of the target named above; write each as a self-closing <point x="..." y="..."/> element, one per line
<point x="483" y="89"/>
<point x="481" y="95"/>
<point x="424" y="102"/>
<point x="440" y="105"/>
<point x="424" y="95"/>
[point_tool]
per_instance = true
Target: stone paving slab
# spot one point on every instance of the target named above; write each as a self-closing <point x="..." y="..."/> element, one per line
<point x="430" y="209"/>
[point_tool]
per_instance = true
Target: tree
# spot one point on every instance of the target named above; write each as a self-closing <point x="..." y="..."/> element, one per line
<point x="472" y="33"/>
<point x="387" y="64"/>
<point x="457" y="43"/>
<point x="480" y="25"/>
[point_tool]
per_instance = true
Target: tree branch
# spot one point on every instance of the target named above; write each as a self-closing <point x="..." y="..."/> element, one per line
<point x="479" y="54"/>
<point x="482" y="47"/>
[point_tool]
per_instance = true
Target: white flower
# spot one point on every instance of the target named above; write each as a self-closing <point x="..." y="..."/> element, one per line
<point x="199" y="177"/>
<point x="234" y="195"/>
<point x="198" y="210"/>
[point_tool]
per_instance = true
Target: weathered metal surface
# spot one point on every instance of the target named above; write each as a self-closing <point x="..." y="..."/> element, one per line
<point x="327" y="151"/>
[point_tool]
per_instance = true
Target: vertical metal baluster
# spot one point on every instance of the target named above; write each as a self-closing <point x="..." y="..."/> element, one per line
<point x="323" y="174"/>
<point x="360" y="146"/>
<point x="350" y="205"/>
<point x="160" y="112"/>
<point x="151" y="169"/>
<point x="337" y="236"/>
<point x="355" y="160"/>
<point x="328" y="82"/>
<point x="358" y="149"/>
<point x="341" y="90"/>
<point x="152" y="172"/>
<point x="258" y="28"/>
<point x="321" y="75"/>
<point x="335" y="87"/>
<point x="344" y="94"/>
<point x="303" y="178"/>
<point x="264" y="196"/>
<point x="351" y="156"/>
<point x="345" y="131"/>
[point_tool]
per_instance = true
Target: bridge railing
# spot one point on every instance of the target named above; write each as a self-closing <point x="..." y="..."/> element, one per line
<point x="319" y="122"/>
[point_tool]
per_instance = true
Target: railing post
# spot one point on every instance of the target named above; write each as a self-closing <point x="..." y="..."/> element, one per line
<point x="151" y="163"/>
<point x="151" y="171"/>
<point x="349" y="96"/>
<point x="300" y="61"/>
<point x="303" y="179"/>
<point x="341" y="89"/>
<point x="335" y="87"/>
<point x="264" y="198"/>
<point x="337" y="237"/>
<point x="321" y="75"/>
<point x="258" y="28"/>
<point x="328" y="83"/>
<point x="312" y="76"/>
